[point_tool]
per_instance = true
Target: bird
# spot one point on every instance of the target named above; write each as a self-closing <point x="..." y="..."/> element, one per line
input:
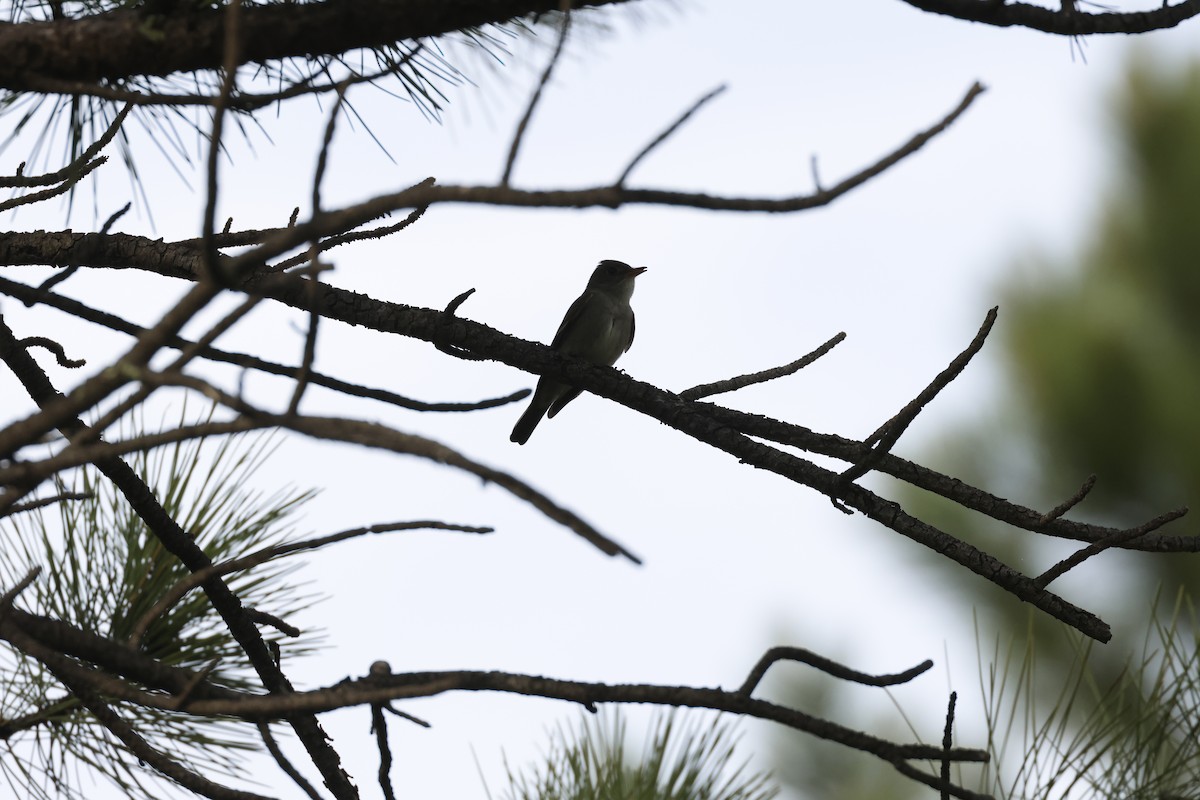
<point x="598" y="327"/>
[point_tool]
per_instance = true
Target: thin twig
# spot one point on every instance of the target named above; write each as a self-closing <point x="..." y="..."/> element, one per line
<point x="264" y="730"/>
<point x="825" y="665"/>
<point x="263" y="618"/>
<point x="742" y="381"/>
<point x="55" y="348"/>
<point x="1118" y="538"/>
<point x="232" y="51"/>
<point x="76" y="261"/>
<point x="181" y="699"/>
<point x="46" y="501"/>
<point x="304" y="372"/>
<point x="1070" y="502"/>
<point x="406" y="716"/>
<point x="378" y="689"/>
<point x="6" y="599"/>
<point x="237" y="101"/>
<point x="886" y="436"/>
<point x="662" y="137"/>
<point x="356" y="236"/>
<point x="382" y="437"/>
<point x="191" y="581"/>
<point x="447" y="317"/>
<point x="379" y="728"/>
<point x="947" y="742"/>
<point x="54" y="191"/>
<point x="519" y="134"/>
<point x="80" y="163"/>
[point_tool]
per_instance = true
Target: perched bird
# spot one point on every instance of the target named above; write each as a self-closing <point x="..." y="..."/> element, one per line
<point x="598" y="326"/>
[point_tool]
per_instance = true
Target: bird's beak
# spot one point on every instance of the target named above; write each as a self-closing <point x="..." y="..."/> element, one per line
<point x="635" y="271"/>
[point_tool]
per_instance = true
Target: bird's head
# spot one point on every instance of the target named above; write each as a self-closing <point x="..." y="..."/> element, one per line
<point x="612" y="274"/>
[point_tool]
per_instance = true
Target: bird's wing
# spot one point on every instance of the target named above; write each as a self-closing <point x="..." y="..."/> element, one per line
<point x="632" y="331"/>
<point x="572" y="316"/>
<point x="562" y="401"/>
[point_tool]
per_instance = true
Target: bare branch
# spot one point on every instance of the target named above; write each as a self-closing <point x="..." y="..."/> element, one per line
<point x="958" y="491"/>
<point x="237" y="100"/>
<point x="263" y="618"/>
<point x="1118" y="538"/>
<point x="46" y="501"/>
<point x="428" y="193"/>
<point x="375" y="435"/>
<point x="1070" y="502"/>
<point x="54" y="191"/>
<point x="180" y="700"/>
<point x="35" y="471"/>
<point x="710" y="426"/>
<point x="54" y="347"/>
<point x="264" y="730"/>
<point x="662" y="137"/>
<point x="73" y="170"/>
<point x="947" y="742"/>
<point x="196" y="579"/>
<point x="1067" y="22"/>
<point x="88" y="684"/>
<point x="379" y="728"/>
<point x="7" y="599"/>
<point x="30" y="295"/>
<point x="890" y="431"/>
<point x="447" y="316"/>
<point x="378" y="689"/>
<point x="519" y="134"/>
<point x="325" y="245"/>
<point x="825" y="665"/>
<point x="231" y="58"/>
<point x="381" y="688"/>
<point x="742" y="381"/>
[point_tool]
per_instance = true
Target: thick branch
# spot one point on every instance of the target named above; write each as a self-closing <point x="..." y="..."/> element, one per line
<point x="30" y="295"/>
<point x="117" y="45"/>
<point x="1069" y="22"/>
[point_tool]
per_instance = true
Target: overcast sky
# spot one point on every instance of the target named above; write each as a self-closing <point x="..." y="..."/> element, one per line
<point x="734" y="558"/>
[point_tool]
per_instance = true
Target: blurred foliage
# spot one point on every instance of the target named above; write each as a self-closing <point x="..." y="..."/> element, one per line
<point x="1101" y="353"/>
<point x="1102" y="357"/>
<point x="1102" y="360"/>
<point x="692" y="760"/>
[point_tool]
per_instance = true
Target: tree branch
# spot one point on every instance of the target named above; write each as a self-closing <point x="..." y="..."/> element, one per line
<point x="1064" y="23"/>
<point x="114" y="45"/>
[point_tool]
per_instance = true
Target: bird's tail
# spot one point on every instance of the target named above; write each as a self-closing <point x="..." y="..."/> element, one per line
<point x="533" y="415"/>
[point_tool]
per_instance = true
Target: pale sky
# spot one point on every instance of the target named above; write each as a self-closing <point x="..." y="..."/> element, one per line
<point x="907" y="266"/>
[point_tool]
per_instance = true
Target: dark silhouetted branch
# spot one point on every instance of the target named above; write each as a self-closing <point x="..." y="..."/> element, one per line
<point x="825" y="665"/>
<point x="742" y="381"/>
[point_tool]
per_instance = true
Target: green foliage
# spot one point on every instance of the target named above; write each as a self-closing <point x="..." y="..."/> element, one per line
<point x="1126" y="738"/>
<point x="102" y="570"/>
<point x="1102" y="355"/>
<point x="593" y="761"/>
<point x="1102" y="358"/>
<point x="1108" y="357"/>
